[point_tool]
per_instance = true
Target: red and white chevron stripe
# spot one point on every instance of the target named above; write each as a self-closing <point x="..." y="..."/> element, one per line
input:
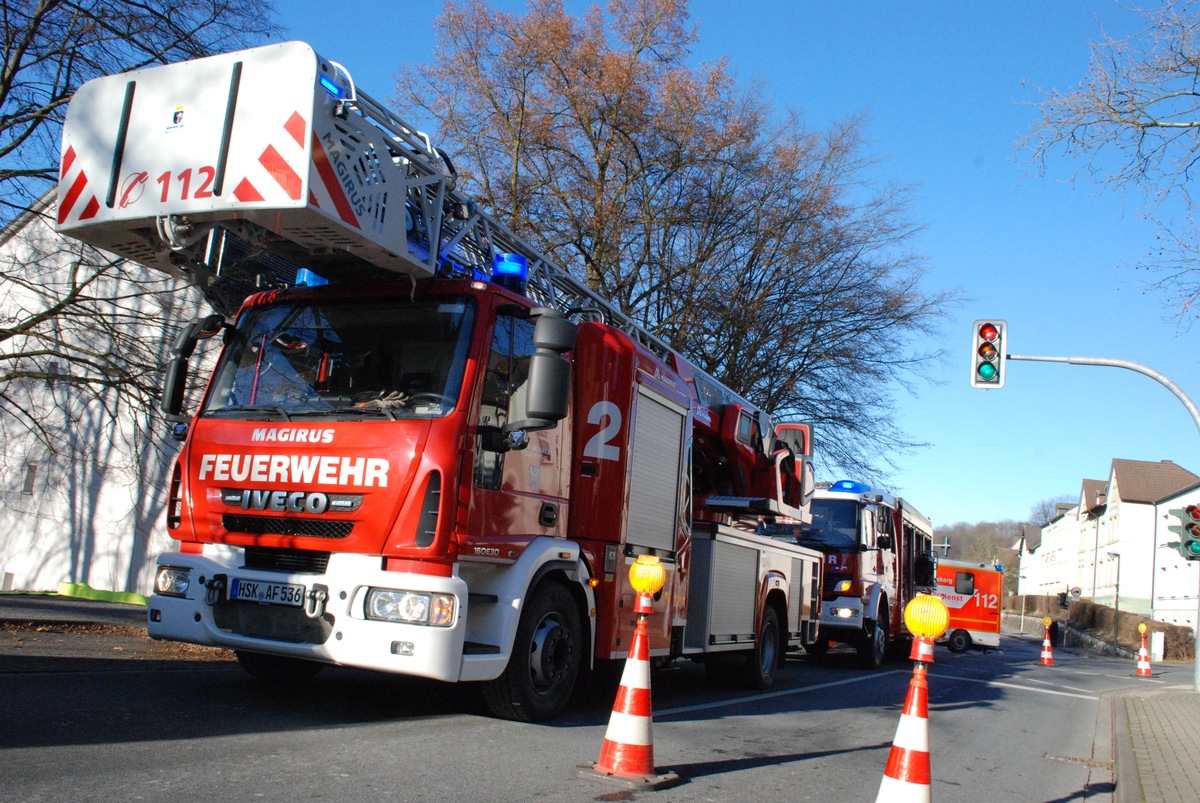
<point x="275" y="173"/>
<point x="73" y="192"/>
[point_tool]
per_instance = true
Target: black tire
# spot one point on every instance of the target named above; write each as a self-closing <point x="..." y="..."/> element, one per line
<point x="872" y="645"/>
<point x="960" y="641"/>
<point x="545" y="665"/>
<point x="763" y="660"/>
<point x="278" y="669"/>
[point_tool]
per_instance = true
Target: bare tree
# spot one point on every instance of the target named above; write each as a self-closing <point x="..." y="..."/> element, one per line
<point x="1047" y="510"/>
<point x="1134" y="122"/>
<point x="758" y="247"/>
<point x="69" y="319"/>
<point x="988" y="542"/>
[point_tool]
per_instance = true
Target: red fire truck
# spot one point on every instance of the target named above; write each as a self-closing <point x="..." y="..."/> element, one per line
<point x="424" y="448"/>
<point x="878" y="553"/>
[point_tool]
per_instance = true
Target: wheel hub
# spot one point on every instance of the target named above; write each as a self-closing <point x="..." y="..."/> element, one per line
<point x="549" y="652"/>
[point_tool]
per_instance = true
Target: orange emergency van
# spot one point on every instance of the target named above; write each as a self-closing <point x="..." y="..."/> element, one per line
<point x="971" y="592"/>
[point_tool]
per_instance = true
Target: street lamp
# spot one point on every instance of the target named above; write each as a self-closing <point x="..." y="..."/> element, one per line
<point x="1116" y="597"/>
<point x="1019" y="578"/>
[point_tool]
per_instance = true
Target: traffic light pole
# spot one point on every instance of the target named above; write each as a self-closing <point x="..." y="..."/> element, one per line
<point x="1195" y="414"/>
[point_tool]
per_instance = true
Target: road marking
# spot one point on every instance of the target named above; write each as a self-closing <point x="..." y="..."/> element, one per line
<point x="774" y="694"/>
<point x="1015" y="686"/>
<point x="1120" y="677"/>
<point x="1059" y="685"/>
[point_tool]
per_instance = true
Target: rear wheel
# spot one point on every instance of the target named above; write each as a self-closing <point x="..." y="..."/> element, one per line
<point x="279" y="669"/>
<point x="544" y="666"/>
<point x="960" y="641"/>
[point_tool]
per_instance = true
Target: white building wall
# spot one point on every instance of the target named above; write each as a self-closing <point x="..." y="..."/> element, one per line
<point x="90" y="508"/>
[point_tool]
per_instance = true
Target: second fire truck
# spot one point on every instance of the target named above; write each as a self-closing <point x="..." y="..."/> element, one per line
<point x="878" y="554"/>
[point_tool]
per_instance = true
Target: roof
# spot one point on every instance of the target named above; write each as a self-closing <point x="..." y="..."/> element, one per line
<point x="1094" y="493"/>
<point x="1031" y="534"/>
<point x="1145" y="482"/>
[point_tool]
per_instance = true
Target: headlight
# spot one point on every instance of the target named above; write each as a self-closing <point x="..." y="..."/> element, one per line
<point x="172" y="581"/>
<point x="845" y="613"/>
<point x="410" y="607"/>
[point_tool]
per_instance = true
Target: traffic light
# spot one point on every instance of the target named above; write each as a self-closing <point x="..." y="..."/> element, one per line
<point x="987" y="353"/>
<point x="1189" y="531"/>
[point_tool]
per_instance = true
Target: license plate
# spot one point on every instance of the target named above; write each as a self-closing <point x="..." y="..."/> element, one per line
<point x="269" y="593"/>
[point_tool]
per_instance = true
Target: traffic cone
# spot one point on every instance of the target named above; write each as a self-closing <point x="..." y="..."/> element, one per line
<point x="906" y="776"/>
<point x="627" y="754"/>
<point x="1047" y="656"/>
<point x="1143" y="660"/>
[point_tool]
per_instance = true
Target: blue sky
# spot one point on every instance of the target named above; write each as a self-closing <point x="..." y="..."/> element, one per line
<point x="948" y="88"/>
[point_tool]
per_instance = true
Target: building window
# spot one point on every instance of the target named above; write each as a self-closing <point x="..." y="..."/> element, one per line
<point x="30" y="476"/>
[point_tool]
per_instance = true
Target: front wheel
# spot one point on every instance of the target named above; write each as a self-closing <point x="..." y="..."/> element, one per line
<point x="872" y="645"/>
<point x="546" y="659"/>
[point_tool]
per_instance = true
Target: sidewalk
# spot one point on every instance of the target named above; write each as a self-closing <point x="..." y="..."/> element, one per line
<point x="1155" y="735"/>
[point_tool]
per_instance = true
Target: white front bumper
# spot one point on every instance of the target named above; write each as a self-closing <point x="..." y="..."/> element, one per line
<point x="351" y="640"/>
<point x="848" y="622"/>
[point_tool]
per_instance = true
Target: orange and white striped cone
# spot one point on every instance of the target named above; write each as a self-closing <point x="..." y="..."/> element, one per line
<point x="906" y="778"/>
<point x="1047" y="655"/>
<point x="1143" y="660"/>
<point x="627" y="754"/>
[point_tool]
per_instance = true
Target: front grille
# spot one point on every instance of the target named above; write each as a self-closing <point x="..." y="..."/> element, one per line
<point x="272" y="622"/>
<point x="297" y="561"/>
<point x="272" y="525"/>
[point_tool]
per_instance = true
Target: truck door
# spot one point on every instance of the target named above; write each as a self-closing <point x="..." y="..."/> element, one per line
<point x="516" y="493"/>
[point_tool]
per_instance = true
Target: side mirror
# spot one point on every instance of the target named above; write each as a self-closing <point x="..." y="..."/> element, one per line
<point x="548" y="388"/>
<point x="884" y="542"/>
<point x="175" y="382"/>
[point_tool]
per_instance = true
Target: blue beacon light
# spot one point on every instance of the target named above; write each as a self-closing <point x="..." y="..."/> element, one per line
<point x="511" y="271"/>
<point x="333" y="88"/>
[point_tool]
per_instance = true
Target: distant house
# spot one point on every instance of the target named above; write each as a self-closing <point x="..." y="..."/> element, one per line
<point x="1119" y="525"/>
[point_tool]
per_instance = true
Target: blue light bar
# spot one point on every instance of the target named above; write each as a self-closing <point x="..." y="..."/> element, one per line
<point x="850" y="486"/>
<point x="332" y="88"/>
<point x="306" y="277"/>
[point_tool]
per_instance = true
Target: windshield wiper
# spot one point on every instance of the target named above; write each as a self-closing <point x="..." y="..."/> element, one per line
<point x="250" y="408"/>
<point x="363" y="411"/>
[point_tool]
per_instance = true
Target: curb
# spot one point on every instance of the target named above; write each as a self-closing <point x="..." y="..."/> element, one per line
<point x="1124" y="762"/>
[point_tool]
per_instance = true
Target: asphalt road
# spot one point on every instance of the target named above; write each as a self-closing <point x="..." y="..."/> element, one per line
<point x="110" y="725"/>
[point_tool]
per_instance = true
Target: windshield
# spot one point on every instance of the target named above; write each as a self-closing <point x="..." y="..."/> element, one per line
<point x="834" y="524"/>
<point x="393" y="359"/>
